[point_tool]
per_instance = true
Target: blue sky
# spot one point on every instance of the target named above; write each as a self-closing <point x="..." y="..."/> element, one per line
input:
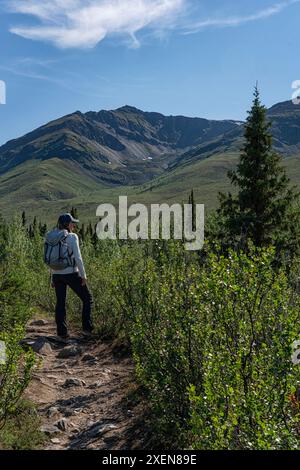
<point x="190" y="57"/>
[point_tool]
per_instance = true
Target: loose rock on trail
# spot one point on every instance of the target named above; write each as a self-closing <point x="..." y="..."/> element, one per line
<point x="82" y="392"/>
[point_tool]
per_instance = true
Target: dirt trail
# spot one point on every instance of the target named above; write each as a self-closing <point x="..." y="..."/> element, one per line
<point x="81" y="390"/>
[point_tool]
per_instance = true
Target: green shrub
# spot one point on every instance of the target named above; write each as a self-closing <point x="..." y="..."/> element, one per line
<point x="210" y="335"/>
<point x="22" y="429"/>
<point x="15" y="372"/>
<point x="16" y="308"/>
<point x="213" y="347"/>
<point x="242" y="401"/>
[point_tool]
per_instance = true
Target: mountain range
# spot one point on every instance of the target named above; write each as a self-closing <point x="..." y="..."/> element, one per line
<point x="80" y="159"/>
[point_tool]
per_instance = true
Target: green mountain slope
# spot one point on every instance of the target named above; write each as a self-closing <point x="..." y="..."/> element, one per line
<point x="126" y="146"/>
<point x="152" y="158"/>
<point x="41" y="195"/>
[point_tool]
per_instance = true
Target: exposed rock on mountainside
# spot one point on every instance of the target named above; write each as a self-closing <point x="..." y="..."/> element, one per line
<point x="82" y="159"/>
<point x="126" y="146"/>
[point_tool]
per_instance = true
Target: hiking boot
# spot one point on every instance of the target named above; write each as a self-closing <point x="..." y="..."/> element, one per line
<point x="63" y="338"/>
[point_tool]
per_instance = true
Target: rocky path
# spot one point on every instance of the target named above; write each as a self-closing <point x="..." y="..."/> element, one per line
<point x="83" y="392"/>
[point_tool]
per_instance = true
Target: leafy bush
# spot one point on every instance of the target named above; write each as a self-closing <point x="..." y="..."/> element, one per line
<point x="22" y="429"/>
<point x="212" y="345"/>
<point x="211" y="335"/>
<point x="15" y="310"/>
<point x="15" y="373"/>
<point x="252" y="317"/>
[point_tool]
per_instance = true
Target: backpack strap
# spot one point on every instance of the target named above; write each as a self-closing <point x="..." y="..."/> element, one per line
<point x="71" y="260"/>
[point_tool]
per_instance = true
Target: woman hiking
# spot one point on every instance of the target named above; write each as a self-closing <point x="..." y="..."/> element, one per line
<point x="63" y="256"/>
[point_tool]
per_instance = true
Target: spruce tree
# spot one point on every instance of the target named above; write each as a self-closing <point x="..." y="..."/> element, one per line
<point x="262" y="210"/>
<point x="82" y="232"/>
<point x="74" y="212"/>
<point x="24" y="221"/>
<point x="33" y="229"/>
<point x="193" y="204"/>
<point x="90" y="230"/>
<point x="42" y="229"/>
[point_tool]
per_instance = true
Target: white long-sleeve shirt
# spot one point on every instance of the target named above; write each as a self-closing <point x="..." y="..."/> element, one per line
<point x="73" y="244"/>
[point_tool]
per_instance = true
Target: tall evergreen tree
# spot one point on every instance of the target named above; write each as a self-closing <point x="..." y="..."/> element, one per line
<point x="24" y="221"/>
<point x="33" y="228"/>
<point x="262" y="211"/>
<point x="95" y="238"/>
<point x="31" y="231"/>
<point x="82" y="232"/>
<point x="74" y="212"/>
<point x="89" y="231"/>
<point x="193" y="204"/>
<point x="42" y="229"/>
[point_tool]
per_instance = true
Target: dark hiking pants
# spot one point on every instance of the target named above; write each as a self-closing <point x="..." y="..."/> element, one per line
<point x="73" y="280"/>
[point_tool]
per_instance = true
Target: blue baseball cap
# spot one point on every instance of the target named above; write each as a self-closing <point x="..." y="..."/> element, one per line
<point x="67" y="218"/>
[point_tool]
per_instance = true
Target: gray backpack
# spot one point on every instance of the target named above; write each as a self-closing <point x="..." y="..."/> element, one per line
<point x="56" y="251"/>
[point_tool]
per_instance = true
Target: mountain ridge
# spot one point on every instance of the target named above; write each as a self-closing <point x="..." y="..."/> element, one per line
<point x="82" y="158"/>
<point x="122" y="138"/>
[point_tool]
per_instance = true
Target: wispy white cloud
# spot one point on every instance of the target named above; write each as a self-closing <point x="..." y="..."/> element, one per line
<point x="232" y="21"/>
<point x="85" y="23"/>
